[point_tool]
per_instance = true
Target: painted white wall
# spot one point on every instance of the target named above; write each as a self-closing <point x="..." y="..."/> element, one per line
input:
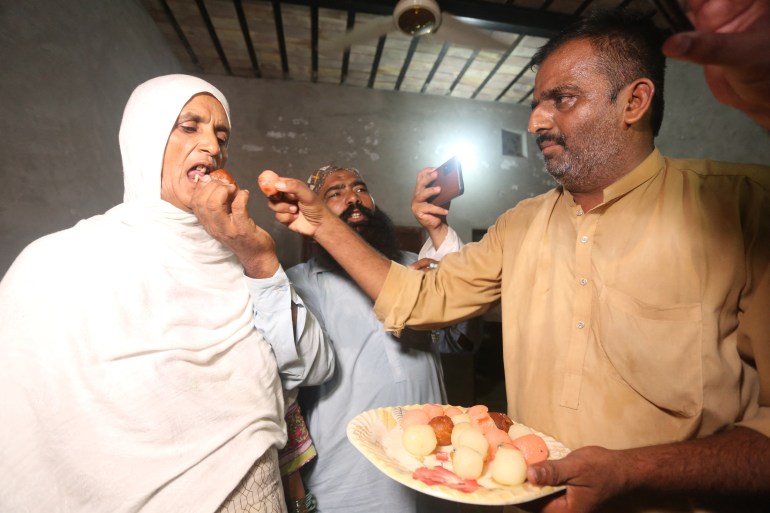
<point x="67" y="72"/>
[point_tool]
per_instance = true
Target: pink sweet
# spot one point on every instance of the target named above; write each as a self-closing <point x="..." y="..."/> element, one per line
<point x="442" y="476"/>
<point x="483" y="422"/>
<point x="414" y="418"/>
<point x="532" y="447"/>
<point x="497" y="437"/>
<point x="433" y="410"/>
<point x="477" y="409"/>
<point x="451" y="411"/>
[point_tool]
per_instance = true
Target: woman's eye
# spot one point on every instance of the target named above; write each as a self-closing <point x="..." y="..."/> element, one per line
<point x="187" y="129"/>
<point x="222" y="141"/>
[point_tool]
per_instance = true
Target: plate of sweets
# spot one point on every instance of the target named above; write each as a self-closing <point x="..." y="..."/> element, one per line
<point x="468" y="455"/>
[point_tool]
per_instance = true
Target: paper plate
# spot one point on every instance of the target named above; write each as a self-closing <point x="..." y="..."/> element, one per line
<point x="377" y="434"/>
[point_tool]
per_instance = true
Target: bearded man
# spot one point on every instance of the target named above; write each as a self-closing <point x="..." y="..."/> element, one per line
<point x="373" y="368"/>
<point x="634" y="295"/>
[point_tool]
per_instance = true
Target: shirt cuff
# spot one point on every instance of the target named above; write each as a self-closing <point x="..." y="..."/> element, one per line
<point x="397" y="298"/>
<point x="270" y="294"/>
<point x="451" y="244"/>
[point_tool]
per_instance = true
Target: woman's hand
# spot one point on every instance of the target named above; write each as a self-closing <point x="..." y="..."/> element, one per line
<point x="222" y="210"/>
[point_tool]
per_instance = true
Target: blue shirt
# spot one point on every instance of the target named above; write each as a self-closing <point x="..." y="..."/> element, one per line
<point x="373" y="369"/>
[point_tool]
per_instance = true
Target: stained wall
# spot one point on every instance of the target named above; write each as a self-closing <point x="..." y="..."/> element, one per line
<point x="67" y="72"/>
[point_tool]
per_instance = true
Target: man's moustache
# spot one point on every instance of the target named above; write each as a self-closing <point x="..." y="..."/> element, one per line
<point x="541" y="138"/>
<point x="345" y="215"/>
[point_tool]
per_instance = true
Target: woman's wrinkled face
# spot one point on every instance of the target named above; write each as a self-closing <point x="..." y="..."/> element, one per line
<point x="196" y="146"/>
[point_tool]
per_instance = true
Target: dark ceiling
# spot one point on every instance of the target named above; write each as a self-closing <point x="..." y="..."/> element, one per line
<point x="299" y="40"/>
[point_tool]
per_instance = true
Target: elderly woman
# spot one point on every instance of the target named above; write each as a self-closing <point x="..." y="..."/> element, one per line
<point x="137" y="372"/>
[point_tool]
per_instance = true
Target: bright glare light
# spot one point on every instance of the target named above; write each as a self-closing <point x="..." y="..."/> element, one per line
<point x="466" y="153"/>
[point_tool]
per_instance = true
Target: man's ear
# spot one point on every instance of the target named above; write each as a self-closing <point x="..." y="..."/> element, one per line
<point x="638" y="100"/>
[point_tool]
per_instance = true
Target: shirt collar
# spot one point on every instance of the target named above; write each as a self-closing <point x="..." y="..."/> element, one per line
<point x="649" y="167"/>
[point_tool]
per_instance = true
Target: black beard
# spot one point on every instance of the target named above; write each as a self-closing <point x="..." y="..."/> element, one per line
<point x="378" y="231"/>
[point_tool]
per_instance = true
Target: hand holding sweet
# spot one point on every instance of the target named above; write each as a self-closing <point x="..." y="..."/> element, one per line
<point x="221" y="207"/>
<point x="295" y="205"/>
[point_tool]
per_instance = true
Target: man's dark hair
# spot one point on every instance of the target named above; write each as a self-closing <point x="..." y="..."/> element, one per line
<point x="629" y="47"/>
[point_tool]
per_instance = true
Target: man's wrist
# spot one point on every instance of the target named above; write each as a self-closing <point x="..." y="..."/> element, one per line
<point x="438" y="235"/>
<point x="261" y="267"/>
<point x="329" y="229"/>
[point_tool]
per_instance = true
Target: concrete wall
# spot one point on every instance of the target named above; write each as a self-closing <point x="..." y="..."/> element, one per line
<point x="68" y="71"/>
<point x="389" y="137"/>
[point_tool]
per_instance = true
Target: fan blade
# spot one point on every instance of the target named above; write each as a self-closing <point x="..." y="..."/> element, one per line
<point x="364" y="33"/>
<point x="456" y="32"/>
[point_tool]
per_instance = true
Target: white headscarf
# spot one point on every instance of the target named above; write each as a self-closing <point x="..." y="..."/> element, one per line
<point x="147" y="121"/>
<point x="131" y="377"/>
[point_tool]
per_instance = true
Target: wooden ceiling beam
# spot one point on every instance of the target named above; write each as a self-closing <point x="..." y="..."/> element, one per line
<point x="486" y="15"/>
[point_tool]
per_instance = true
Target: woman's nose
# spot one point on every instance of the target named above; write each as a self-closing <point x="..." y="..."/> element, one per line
<point x="210" y="144"/>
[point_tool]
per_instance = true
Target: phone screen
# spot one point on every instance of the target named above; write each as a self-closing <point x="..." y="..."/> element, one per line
<point x="450" y="179"/>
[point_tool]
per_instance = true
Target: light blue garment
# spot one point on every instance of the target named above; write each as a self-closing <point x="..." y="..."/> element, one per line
<point x="373" y="369"/>
<point x="304" y="356"/>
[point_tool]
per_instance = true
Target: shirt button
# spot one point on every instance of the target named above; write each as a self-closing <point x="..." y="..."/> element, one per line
<point x="584" y="239"/>
<point x="580" y="325"/>
<point x="583" y="281"/>
<point x="580" y="212"/>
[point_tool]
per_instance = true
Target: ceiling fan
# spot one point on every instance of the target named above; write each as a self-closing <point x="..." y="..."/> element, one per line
<point x="421" y="18"/>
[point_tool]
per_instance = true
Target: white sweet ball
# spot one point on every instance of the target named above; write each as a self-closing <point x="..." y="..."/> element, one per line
<point x="419" y="440"/>
<point x="474" y="439"/>
<point x="509" y="467"/>
<point x="457" y="429"/>
<point x="516" y="430"/>
<point x="467" y="463"/>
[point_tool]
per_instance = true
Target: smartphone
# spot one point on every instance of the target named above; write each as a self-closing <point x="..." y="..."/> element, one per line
<point x="450" y="179"/>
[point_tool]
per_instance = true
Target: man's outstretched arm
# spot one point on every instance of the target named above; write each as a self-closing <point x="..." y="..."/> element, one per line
<point x="302" y="211"/>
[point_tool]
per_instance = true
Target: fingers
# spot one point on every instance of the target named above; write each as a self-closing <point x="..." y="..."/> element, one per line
<point x="435" y="210"/>
<point x="424" y="264"/>
<point x="428" y="215"/>
<point x="425" y="176"/>
<point x="211" y="203"/>
<point x="737" y="74"/>
<point x="421" y="190"/>
<point x="298" y="188"/>
<point x="240" y="210"/>
<point x="297" y="207"/>
<point x="545" y="473"/>
<point x="733" y="49"/>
